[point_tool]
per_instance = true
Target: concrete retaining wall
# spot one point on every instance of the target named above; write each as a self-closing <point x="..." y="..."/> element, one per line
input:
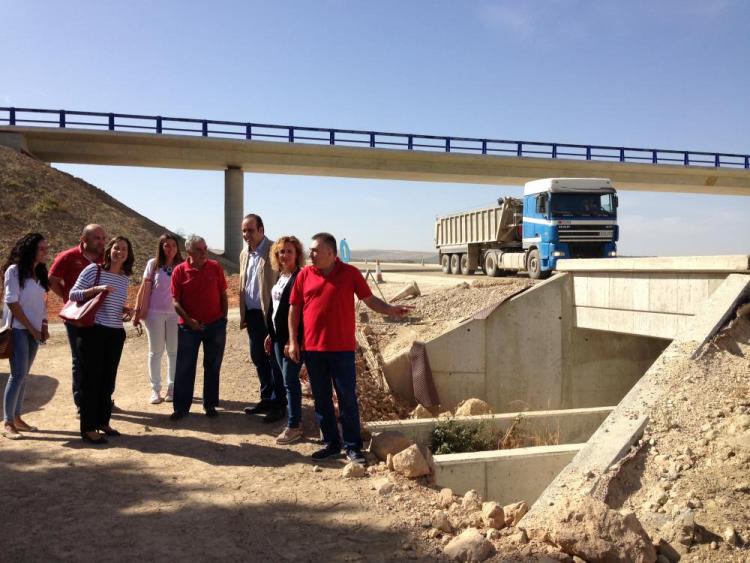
<point x="572" y="426"/>
<point x="626" y="423"/>
<point x="504" y="476"/>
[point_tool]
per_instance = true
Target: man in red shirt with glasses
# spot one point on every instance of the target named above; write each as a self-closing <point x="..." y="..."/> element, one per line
<point x="324" y="294"/>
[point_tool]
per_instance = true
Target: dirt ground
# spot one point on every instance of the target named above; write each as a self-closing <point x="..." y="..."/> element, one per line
<point x="693" y="464"/>
<point x="198" y="488"/>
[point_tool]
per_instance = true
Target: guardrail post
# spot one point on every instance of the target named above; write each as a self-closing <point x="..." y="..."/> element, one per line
<point x="410" y="142"/>
<point x="654" y="157"/>
<point x="204" y="129"/>
<point x="291" y="134"/>
<point x="519" y="149"/>
<point x="111" y="122"/>
<point x="484" y="147"/>
<point x="372" y="140"/>
<point x="717" y="160"/>
<point x="158" y="124"/>
<point x="554" y="150"/>
<point x="588" y="152"/>
<point x="447" y="144"/>
<point x="747" y="162"/>
<point x="12" y="117"/>
<point x="62" y="118"/>
<point x="248" y="131"/>
<point x="622" y="155"/>
<point x="686" y="159"/>
<point x="331" y="137"/>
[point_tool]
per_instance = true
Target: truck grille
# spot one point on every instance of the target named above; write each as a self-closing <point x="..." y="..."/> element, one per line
<point x="585" y="233"/>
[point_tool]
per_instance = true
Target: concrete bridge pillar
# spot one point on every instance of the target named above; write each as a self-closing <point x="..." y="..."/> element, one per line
<point x="234" y="185"/>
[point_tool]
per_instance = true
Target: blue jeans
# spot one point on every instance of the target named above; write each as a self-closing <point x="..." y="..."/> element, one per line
<point x="269" y="373"/>
<point x="24" y="352"/>
<point x="290" y="371"/>
<point x="77" y="373"/>
<point x="213" y="337"/>
<point x="329" y="370"/>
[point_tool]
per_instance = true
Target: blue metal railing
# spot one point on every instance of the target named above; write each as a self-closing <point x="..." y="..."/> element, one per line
<point x="350" y="137"/>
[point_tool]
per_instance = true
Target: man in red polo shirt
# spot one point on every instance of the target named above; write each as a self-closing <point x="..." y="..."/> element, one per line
<point x="324" y="294"/>
<point x="64" y="272"/>
<point x="199" y="291"/>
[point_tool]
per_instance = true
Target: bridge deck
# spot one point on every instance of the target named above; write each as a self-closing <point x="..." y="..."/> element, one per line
<point x="81" y="146"/>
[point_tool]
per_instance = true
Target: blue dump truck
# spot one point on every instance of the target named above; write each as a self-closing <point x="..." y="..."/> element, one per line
<point x="558" y="218"/>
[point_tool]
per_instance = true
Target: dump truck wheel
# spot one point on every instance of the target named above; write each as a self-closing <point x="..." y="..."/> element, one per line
<point x="534" y="265"/>
<point x="465" y="270"/>
<point x="490" y="266"/>
<point x="445" y="263"/>
<point x="455" y="263"/>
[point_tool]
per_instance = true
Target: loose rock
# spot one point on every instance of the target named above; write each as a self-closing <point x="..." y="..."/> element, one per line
<point x="445" y="497"/>
<point x="440" y="521"/>
<point x="594" y="532"/>
<point x="493" y="514"/>
<point x="470" y="545"/>
<point x="471" y="500"/>
<point x="353" y="470"/>
<point x="471" y="407"/>
<point x="411" y="462"/>
<point x="420" y="412"/>
<point x="514" y="512"/>
<point x="389" y="442"/>
<point x="384" y="487"/>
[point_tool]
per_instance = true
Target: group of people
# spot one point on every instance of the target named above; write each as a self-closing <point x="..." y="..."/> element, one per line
<point x="293" y="314"/>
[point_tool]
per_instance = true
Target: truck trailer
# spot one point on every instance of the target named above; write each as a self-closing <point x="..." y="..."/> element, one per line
<point x="557" y="218"/>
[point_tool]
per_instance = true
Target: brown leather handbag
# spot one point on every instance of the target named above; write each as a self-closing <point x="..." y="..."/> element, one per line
<point x="6" y="340"/>
<point x="83" y="314"/>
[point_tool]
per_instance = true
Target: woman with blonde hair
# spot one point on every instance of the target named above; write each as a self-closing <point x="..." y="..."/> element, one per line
<point x="287" y="258"/>
<point x="155" y="307"/>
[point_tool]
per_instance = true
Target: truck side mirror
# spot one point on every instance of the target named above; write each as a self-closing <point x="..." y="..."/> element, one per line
<point x="617" y="202"/>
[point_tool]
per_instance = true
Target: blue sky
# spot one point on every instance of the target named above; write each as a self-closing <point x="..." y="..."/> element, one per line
<point x="667" y="74"/>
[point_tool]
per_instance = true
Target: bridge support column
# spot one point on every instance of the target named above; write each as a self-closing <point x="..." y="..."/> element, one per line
<point x="234" y="185"/>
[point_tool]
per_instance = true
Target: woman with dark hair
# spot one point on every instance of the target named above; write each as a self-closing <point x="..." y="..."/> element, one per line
<point x="25" y="290"/>
<point x="287" y="257"/>
<point x="100" y="346"/>
<point x="155" y="307"/>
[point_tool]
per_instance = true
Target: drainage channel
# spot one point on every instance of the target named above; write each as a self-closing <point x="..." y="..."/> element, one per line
<point x="560" y="354"/>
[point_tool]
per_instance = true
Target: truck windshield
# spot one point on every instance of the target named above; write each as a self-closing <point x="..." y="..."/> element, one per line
<point x="583" y="205"/>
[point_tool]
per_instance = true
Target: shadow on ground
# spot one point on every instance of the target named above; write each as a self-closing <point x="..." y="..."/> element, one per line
<point x="86" y="511"/>
<point x="39" y="390"/>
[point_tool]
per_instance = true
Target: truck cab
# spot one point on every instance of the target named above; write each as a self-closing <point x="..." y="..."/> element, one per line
<point x="568" y="218"/>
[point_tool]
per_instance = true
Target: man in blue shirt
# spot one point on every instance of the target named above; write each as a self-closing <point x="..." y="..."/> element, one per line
<point x="256" y="280"/>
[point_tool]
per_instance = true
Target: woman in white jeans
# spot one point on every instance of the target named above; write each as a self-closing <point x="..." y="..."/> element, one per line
<point x="156" y="309"/>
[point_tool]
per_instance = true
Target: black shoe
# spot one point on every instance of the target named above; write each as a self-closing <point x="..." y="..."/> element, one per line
<point x="110" y="432"/>
<point x="275" y="415"/>
<point x="177" y="415"/>
<point x="100" y="440"/>
<point x="356" y="456"/>
<point x="260" y="408"/>
<point x="326" y="452"/>
<point x="211" y="413"/>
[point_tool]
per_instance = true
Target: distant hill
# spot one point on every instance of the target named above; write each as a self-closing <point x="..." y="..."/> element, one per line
<point x="36" y="197"/>
<point x="395" y="256"/>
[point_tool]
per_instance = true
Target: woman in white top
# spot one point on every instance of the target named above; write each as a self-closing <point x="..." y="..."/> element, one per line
<point x="25" y="290"/>
<point x="100" y="346"/>
<point x="155" y="307"/>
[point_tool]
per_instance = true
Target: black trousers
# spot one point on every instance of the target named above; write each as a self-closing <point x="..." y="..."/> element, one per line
<point x="99" y="350"/>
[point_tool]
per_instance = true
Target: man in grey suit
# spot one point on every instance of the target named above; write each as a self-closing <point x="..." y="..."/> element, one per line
<point x="256" y="280"/>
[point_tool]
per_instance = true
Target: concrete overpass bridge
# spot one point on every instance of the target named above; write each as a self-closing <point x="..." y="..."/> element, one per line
<point x="77" y="137"/>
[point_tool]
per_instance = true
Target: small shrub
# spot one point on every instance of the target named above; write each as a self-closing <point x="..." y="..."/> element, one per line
<point x="45" y="205"/>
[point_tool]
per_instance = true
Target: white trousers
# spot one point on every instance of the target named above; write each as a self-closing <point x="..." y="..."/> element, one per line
<point x="162" y="334"/>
